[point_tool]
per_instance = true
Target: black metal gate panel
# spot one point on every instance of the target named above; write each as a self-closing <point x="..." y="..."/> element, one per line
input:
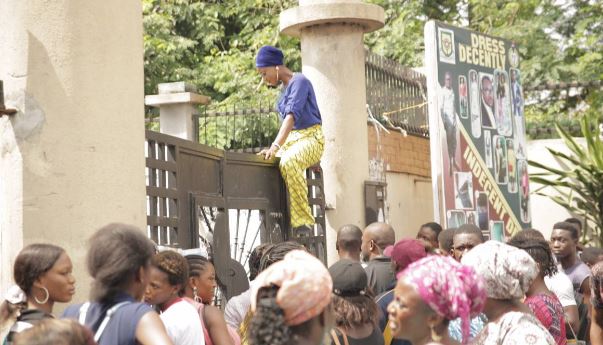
<point x="226" y="202"/>
<point x="249" y="209"/>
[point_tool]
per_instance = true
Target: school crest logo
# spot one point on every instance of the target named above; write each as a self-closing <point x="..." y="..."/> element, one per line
<point x="446" y="44"/>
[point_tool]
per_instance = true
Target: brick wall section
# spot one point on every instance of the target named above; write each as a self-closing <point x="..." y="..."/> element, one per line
<point x="402" y="154"/>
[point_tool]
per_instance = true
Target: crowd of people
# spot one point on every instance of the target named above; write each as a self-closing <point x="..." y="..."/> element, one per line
<point x="441" y="287"/>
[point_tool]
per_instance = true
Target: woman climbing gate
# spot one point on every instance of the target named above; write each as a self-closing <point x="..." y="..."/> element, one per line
<point x="300" y="141"/>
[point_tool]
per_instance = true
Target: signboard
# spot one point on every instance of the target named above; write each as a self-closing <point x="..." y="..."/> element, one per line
<point x="477" y="130"/>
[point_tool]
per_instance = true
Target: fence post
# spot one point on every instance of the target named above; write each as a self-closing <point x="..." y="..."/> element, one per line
<point x="331" y="34"/>
<point x="177" y="103"/>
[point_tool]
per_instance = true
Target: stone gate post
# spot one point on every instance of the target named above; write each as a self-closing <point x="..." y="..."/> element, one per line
<point x="177" y="103"/>
<point x="331" y="33"/>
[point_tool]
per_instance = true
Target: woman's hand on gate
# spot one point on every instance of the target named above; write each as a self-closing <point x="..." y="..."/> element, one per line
<point x="268" y="153"/>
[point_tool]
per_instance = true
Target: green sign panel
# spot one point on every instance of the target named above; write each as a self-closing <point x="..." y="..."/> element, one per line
<point x="477" y="130"/>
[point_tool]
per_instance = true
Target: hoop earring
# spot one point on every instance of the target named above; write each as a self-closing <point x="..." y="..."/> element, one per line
<point x="434" y="335"/>
<point x="196" y="298"/>
<point x="45" y="299"/>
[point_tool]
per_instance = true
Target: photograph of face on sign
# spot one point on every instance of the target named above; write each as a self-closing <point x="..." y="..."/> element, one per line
<point x="456" y="218"/>
<point x="486" y="91"/>
<point x="524" y="190"/>
<point x="500" y="159"/>
<point x="463" y="99"/>
<point x="488" y="148"/>
<point x="520" y="137"/>
<point x="475" y="103"/>
<point x="497" y="230"/>
<point x="502" y="105"/>
<point x="512" y="186"/>
<point x="472" y="218"/>
<point x="449" y="120"/>
<point x="463" y="190"/>
<point x="482" y="210"/>
<point x="516" y="93"/>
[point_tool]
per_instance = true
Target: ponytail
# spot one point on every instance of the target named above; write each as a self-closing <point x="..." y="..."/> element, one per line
<point x="268" y="325"/>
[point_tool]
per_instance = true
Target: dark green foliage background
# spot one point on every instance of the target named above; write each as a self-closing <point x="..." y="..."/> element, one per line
<point x="212" y="44"/>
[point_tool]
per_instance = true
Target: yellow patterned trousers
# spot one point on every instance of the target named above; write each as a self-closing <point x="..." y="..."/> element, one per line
<point x="302" y="149"/>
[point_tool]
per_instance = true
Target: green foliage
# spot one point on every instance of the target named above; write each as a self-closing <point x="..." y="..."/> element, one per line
<point x="578" y="184"/>
<point x="212" y="44"/>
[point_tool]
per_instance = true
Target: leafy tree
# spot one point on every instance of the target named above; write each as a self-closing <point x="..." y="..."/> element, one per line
<point x="212" y="44"/>
<point x="579" y="182"/>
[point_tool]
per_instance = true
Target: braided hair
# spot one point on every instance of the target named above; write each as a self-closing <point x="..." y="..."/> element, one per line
<point x="539" y="250"/>
<point x="277" y="252"/>
<point x="268" y="325"/>
<point x="255" y="258"/>
<point x="197" y="264"/>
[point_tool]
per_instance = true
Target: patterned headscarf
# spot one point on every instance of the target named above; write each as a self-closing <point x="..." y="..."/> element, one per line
<point x="304" y="283"/>
<point x="451" y="289"/>
<point x="507" y="271"/>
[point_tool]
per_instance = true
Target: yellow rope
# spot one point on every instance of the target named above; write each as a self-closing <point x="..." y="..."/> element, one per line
<point x="403" y="109"/>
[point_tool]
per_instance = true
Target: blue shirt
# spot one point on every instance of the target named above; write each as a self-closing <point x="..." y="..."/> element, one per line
<point x="475" y="326"/>
<point x="383" y="301"/>
<point x="121" y="329"/>
<point x="299" y="99"/>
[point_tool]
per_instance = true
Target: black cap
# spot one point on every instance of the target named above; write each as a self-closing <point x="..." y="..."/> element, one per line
<point x="349" y="278"/>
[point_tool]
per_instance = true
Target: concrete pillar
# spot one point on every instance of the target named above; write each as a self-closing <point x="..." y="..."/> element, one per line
<point x="177" y="103"/>
<point x="331" y="33"/>
<point x="72" y="158"/>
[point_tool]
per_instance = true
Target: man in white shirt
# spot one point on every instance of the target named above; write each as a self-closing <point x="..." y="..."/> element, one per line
<point x="448" y="115"/>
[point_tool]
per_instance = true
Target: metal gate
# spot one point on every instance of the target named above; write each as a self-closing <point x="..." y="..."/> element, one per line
<point x="227" y="202"/>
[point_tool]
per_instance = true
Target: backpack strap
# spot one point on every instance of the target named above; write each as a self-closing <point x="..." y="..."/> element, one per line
<point x="387" y="335"/>
<point x="20" y="326"/>
<point x="336" y="337"/>
<point x="83" y="313"/>
<point x="99" y="332"/>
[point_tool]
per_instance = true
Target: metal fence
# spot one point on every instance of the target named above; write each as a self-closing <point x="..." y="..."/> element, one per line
<point x="396" y="95"/>
<point x="247" y="127"/>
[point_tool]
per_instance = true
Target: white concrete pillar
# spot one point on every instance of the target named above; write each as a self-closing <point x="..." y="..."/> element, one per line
<point x="177" y="103"/>
<point x="331" y="33"/>
<point x="72" y="158"/>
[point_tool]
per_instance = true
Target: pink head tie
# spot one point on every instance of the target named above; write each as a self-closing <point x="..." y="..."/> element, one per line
<point x="304" y="283"/>
<point x="451" y="289"/>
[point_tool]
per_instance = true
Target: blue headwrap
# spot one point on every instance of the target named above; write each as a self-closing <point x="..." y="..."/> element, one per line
<point x="269" y="56"/>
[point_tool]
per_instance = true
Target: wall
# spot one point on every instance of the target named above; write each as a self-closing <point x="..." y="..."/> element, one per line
<point x="73" y="157"/>
<point x="410" y="203"/>
<point x="408" y="177"/>
<point x="402" y="154"/>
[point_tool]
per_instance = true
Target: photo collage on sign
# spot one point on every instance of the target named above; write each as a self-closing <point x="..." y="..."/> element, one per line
<point x="488" y="103"/>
